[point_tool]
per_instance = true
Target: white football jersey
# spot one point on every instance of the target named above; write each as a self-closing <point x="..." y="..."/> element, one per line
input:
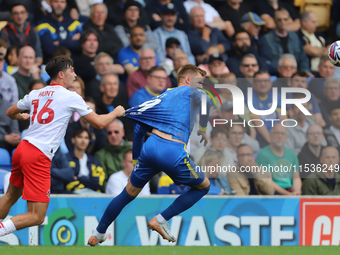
<point x="51" y="109"/>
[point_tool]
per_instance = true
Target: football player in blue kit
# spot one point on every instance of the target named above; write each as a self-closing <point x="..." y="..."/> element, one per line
<point x="170" y="118"/>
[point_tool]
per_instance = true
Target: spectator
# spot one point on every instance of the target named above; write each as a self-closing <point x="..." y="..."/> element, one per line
<point x="166" y="186"/>
<point x="97" y="136"/>
<point x="12" y="57"/>
<point x="167" y="30"/>
<point x="211" y="16"/>
<point x="313" y="44"/>
<point x="83" y="64"/>
<point x="299" y="80"/>
<point x="218" y="140"/>
<point x="9" y="88"/>
<point x="57" y="29"/>
<point x="154" y="9"/>
<point x="78" y="86"/>
<point x="311" y="151"/>
<point x="242" y="47"/>
<point x="180" y="59"/>
<point x="61" y="173"/>
<point x="171" y="45"/>
<point x="276" y="155"/>
<point x="317" y="84"/>
<point x="88" y="174"/>
<point x="9" y="129"/>
<point x="324" y="182"/>
<point x="233" y="10"/>
<point x="27" y="71"/>
<point x="138" y="79"/>
<point x="297" y="134"/>
<point x="113" y="95"/>
<point x="248" y="67"/>
<point x="118" y="180"/>
<point x="281" y="41"/>
<point x="254" y="182"/>
<point x="132" y="17"/>
<point x="205" y="40"/>
<point x="332" y="132"/>
<point x="111" y="156"/>
<point x="116" y="10"/>
<point x="287" y="67"/>
<point x="156" y="82"/>
<point x="262" y="100"/>
<point x="109" y="41"/>
<point x="20" y="31"/>
<point x="267" y="11"/>
<point x="332" y="93"/>
<point x="253" y="24"/>
<point x="235" y="136"/>
<point x="216" y="67"/>
<point x="218" y="181"/>
<point x="128" y="56"/>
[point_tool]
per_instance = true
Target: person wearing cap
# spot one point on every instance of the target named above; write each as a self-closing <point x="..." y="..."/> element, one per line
<point x="109" y="41"/>
<point x="154" y="9"/>
<point x="167" y="30"/>
<point x="314" y="44"/>
<point x="233" y="10"/>
<point x="171" y="45"/>
<point x="217" y="68"/>
<point x="281" y="41"/>
<point x="253" y="24"/>
<point x="20" y="32"/>
<point x="212" y="17"/>
<point x="132" y="17"/>
<point x="8" y="88"/>
<point x="266" y="10"/>
<point x="242" y="47"/>
<point x="204" y="40"/>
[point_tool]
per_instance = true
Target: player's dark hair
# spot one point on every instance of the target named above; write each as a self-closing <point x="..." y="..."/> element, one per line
<point x="85" y="35"/>
<point x="218" y="129"/>
<point x="58" y="64"/>
<point x="126" y="152"/>
<point x="79" y="130"/>
<point x="189" y="69"/>
<point x="300" y="74"/>
<point x="156" y="68"/>
<point x="333" y="105"/>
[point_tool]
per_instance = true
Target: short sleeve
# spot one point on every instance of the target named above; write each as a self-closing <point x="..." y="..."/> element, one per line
<point x="78" y="104"/>
<point x="24" y="104"/>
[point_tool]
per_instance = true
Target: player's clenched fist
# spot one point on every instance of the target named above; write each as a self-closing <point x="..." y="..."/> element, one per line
<point x="119" y="110"/>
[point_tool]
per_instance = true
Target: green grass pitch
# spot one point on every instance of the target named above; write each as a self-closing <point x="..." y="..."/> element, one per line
<point x="161" y="250"/>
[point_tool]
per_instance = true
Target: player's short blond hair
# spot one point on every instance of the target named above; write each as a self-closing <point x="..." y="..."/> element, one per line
<point x="189" y="70"/>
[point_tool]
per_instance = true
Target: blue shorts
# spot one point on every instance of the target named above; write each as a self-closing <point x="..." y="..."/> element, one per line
<point x="170" y="157"/>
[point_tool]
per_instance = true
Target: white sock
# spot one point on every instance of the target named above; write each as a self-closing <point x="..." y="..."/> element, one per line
<point x="160" y="219"/>
<point x="6" y="228"/>
<point x="97" y="234"/>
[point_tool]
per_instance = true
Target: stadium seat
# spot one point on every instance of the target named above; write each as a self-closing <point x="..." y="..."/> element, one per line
<point x="322" y="9"/>
<point x="5" y="158"/>
<point x="2" y="175"/>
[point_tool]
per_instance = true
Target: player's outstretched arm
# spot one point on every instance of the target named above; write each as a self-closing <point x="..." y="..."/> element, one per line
<point x="16" y="114"/>
<point x="103" y="120"/>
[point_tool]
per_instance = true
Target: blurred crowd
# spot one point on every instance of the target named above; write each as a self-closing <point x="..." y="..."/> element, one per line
<point x="126" y="52"/>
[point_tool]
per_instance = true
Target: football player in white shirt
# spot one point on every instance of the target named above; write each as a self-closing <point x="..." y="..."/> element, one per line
<point x="50" y="111"/>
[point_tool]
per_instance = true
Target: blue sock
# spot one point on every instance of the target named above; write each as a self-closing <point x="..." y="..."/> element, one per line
<point x="113" y="210"/>
<point x="184" y="202"/>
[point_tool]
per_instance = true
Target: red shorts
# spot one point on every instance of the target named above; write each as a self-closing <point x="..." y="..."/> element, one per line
<point x="31" y="172"/>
